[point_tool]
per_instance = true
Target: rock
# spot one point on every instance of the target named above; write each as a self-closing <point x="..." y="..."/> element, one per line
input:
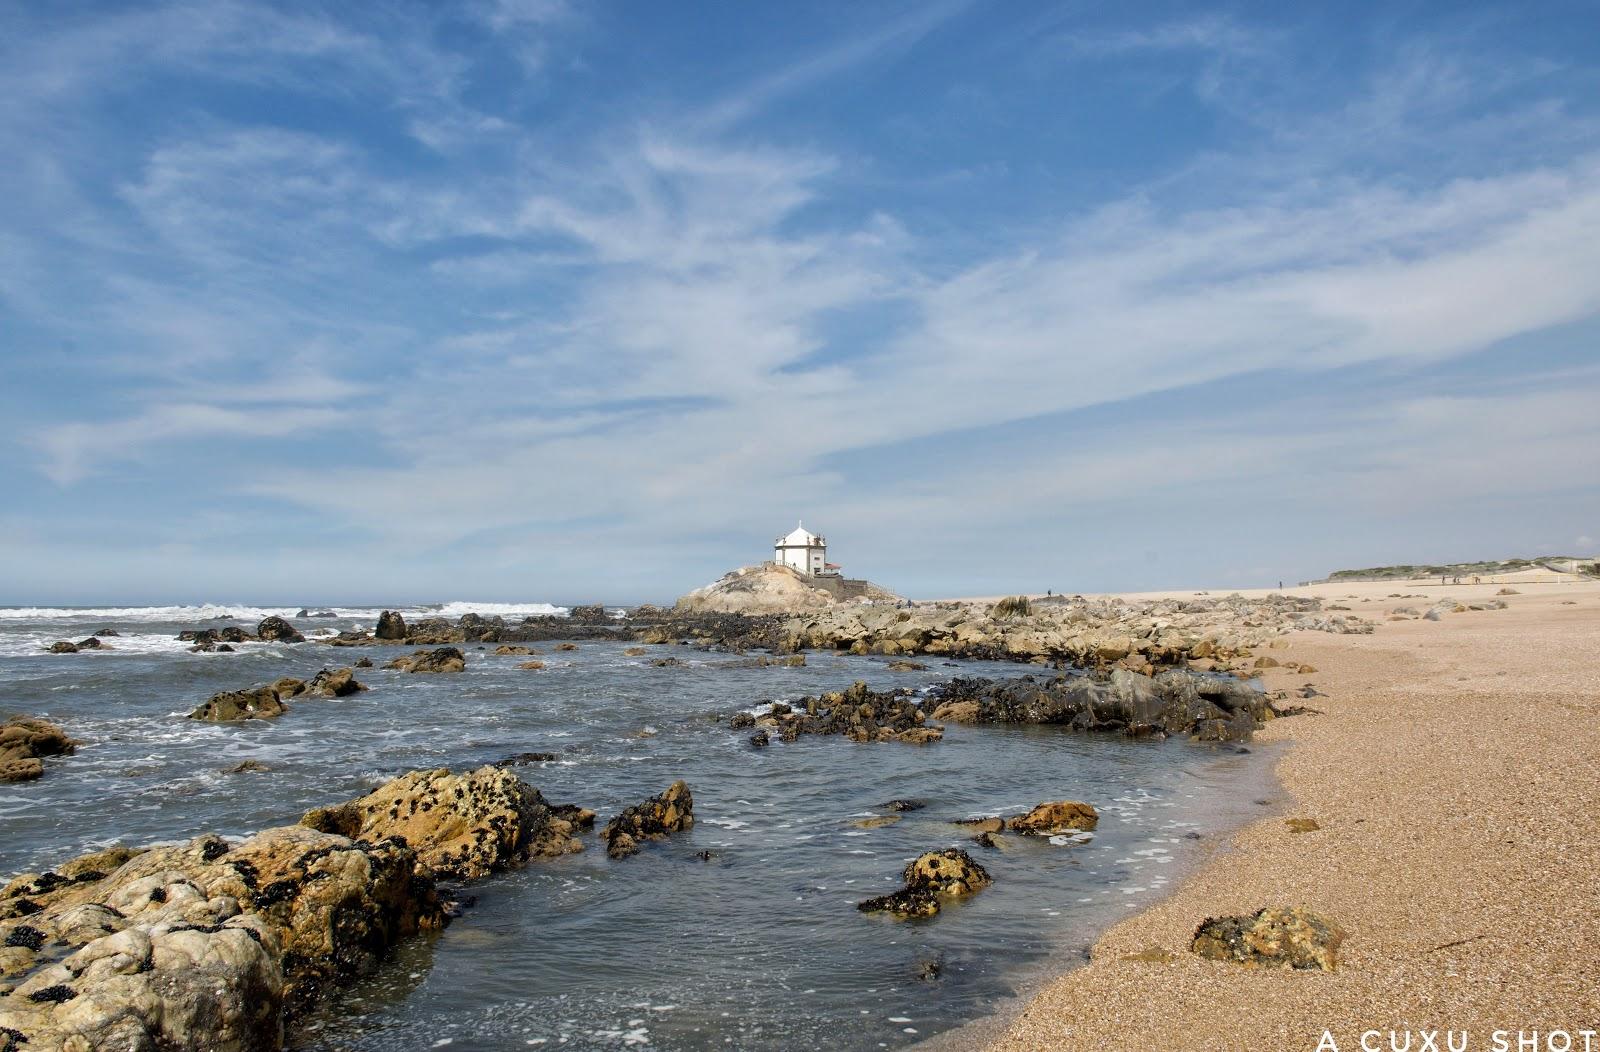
<point x="906" y="666"/>
<point x="24" y="742"/>
<point x="1062" y="816"/>
<point x="983" y="825"/>
<point x="364" y="662"/>
<point x="444" y="659"/>
<point x="461" y="826"/>
<point x="62" y="646"/>
<point x="275" y="629"/>
<point x="903" y="805"/>
<point x="760" y="739"/>
<point x="592" y="614"/>
<point x="669" y="662"/>
<point x="930" y="879"/>
<point x="1014" y="606"/>
<point x="391" y="626"/>
<point x="767" y="589"/>
<point x="654" y="819"/>
<point x="635" y="651"/>
<point x="513" y="650"/>
<point x="1276" y="937"/>
<point x="876" y="821"/>
<point x="107" y="633"/>
<point x="859" y="714"/>
<point x="334" y="683"/>
<point x="740" y="720"/>
<point x="532" y="666"/>
<point x="255" y="703"/>
<point x="205" y="945"/>
<point x="521" y="758"/>
<point x="566" y="646"/>
<point x="247" y="767"/>
<point x="92" y="643"/>
<point x="1508" y="591"/>
<point x="1302" y="825"/>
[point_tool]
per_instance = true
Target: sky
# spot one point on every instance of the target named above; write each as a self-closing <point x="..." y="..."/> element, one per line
<point x="525" y="300"/>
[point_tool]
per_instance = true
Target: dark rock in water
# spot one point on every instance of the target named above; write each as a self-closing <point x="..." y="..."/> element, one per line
<point x="462" y="826"/>
<point x="365" y="662"/>
<point x="444" y="659"/>
<point x="589" y="615"/>
<point x="1174" y="701"/>
<point x="668" y="662"/>
<point x="248" y="767"/>
<point x="860" y="714"/>
<point x="524" y="758"/>
<point x="391" y="626"/>
<point x="275" y="629"/>
<point x="512" y="650"/>
<point x="24" y="741"/>
<point x="566" y="646"/>
<point x="1276" y="937"/>
<point x="930" y="879"/>
<point x="903" y="805"/>
<point x="63" y="646"/>
<point x="928" y="971"/>
<point x="906" y="666"/>
<point x="760" y="739"/>
<point x="106" y="632"/>
<point x="1062" y="816"/>
<point x="741" y="720"/>
<point x="986" y="840"/>
<point x="303" y="612"/>
<point x="225" y="648"/>
<point x="654" y="819"/>
<point x="703" y="856"/>
<point x="91" y="643"/>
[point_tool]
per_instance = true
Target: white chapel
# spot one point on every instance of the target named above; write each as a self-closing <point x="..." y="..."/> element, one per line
<point x="802" y="550"/>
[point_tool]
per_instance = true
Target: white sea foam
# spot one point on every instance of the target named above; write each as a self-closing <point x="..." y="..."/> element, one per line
<point x="244" y="612"/>
<point x="502" y="609"/>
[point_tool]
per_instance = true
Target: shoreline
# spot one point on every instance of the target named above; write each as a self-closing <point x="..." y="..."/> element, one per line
<point x="1452" y="772"/>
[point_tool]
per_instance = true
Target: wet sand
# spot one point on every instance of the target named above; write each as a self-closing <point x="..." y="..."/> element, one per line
<point x="1455" y="773"/>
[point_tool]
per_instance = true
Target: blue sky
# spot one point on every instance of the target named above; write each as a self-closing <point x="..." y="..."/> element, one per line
<point x="525" y="300"/>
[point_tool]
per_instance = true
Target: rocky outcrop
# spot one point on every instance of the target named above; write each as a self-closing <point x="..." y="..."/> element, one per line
<point x="334" y="683"/>
<point x="1138" y="635"/>
<point x="200" y="946"/>
<point x="767" y="589"/>
<point x="269" y="701"/>
<point x="275" y="629"/>
<point x="216" y="945"/>
<point x="654" y="819"/>
<point x="930" y="879"/>
<point x="24" y="742"/>
<point x="461" y="826"/>
<point x="391" y="626"/>
<point x="1276" y="937"/>
<point x="1062" y="816"/>
<point x="1210" y="708"/>
<point x="444" y="659"/>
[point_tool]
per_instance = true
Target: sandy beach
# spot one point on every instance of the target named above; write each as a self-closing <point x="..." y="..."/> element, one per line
<point x="1454" y="771"/>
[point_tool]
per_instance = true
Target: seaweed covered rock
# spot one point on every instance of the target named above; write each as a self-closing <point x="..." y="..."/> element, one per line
<point x="24" y="741"/>
<point x="462" y="826"/>
<point x="444" y="659"/>
<point x="1061" y="816"/>
<point x="858" y="713"/>
<point x="930" y="879"/>
<point x="275" y="629"/>
<point x="1175" y="701"/>
<point x="655" y="818"/>
<point x="1276" y="937"/>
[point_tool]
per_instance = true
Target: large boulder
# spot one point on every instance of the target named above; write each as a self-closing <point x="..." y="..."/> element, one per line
<point x="203" y="945"/>
<point x="1061" y="816"/>
<point x="930" y="879"/>
<point x="444" y="659"/>
<point x="391" y="626"/>
<point x="670" y="812"/>
<point x="275" y="629"/>
<point x="24" y="740"/>
<point x="335" y="683"/>
<point x="462" y="826"/>
<point x="1276" y="937"/>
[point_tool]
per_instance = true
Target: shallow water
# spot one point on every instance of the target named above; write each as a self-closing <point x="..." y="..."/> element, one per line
<point x="760" y="948"/>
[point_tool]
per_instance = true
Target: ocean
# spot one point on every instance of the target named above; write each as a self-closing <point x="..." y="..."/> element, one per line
<point x="759" y="947"/>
